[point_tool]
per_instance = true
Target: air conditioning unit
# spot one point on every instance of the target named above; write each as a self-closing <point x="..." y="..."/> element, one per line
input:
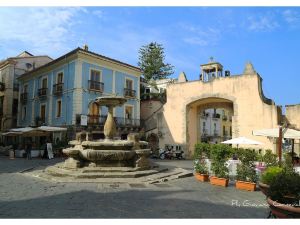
<point x="227" y="73"/>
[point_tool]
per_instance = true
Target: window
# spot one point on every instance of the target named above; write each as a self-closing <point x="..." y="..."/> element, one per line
<point x="24" y="111"/>
<point x="25" y="89"/>
<point x="60" y="78"/>
<point x="58" y="108"/>
<point x="230" y="131"/>
<point x="129" y="84"/>
<point x="224" y="131"/>
<point x="44" y="83"/>
<point x="43" y="113"/>
<point x="95" y="75"/>
<point x="128" y="112"/>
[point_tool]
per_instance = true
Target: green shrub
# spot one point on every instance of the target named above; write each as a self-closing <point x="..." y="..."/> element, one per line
<point x="288" y="162"/>
<point x="246" y="170"/>
<point x="201" y="167"/>
<point x="285" y="188"/>
<point x="269" y="174"/>
<point x="219" y="155"/>
<point x="270" y="159"/>
<point x="202" y="149"/>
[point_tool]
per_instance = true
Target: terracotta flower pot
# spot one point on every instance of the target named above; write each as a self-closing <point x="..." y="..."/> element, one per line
<point x="201" y="177"/>
<point x="283" y="211"/>
<point x="243" y="185"/>
<point x="219" y="181"/>
<point x="264" y="188"/>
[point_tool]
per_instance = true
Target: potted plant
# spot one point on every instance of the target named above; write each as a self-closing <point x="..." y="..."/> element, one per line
<point x="284" y="195"/>
<point x="219" y="155"/>
<point x="201" y="171"/>
<point x="246" y="175"/>
<point x="267" y="176"/>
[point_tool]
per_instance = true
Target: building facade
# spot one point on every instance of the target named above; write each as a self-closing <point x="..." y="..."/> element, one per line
<point x="230" y="107"/>
<point x="10" y="69"/>
<point x="60" y="92"/>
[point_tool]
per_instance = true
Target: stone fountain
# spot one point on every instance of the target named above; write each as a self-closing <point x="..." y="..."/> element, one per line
<point x="106" y="158"/>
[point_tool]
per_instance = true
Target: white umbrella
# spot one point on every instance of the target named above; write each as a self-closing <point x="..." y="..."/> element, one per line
<point x="286" y="133"/>
<point x="241" y="141"/>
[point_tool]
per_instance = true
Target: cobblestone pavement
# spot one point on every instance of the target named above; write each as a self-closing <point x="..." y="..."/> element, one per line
<point x="23" y="196"/>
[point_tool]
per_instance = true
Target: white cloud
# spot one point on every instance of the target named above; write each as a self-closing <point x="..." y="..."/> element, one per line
<point x="98" y="13"/>
<point x="262" y="23"/>
<point x="290" y="16"/>
<point x="200" y="36"/>
<point x="43" y="30"/>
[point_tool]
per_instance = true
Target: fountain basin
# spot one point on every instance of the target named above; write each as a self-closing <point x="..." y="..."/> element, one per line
<point x="99" y="155"/>
<point x="107" y="144"/>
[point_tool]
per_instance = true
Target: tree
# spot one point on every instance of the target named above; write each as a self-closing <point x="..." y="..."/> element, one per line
<point x="151" y="62"/>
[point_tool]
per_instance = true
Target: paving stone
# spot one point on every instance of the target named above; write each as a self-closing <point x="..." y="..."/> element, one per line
<point x="24" y="196"/>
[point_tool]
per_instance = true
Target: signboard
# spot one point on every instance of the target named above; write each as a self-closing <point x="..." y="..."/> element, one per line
<point x="83" y="120"/>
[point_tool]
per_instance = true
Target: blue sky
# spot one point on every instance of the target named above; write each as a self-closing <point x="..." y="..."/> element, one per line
<point x="269" y="37"/>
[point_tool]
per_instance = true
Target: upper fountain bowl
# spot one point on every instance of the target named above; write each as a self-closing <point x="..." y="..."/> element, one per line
<point x="110" y="100"/>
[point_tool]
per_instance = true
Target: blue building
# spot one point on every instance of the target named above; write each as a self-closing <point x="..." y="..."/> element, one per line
<point x="58" y="93"/>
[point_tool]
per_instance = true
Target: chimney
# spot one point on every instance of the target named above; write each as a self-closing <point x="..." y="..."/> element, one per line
<point x="85" y="47"/>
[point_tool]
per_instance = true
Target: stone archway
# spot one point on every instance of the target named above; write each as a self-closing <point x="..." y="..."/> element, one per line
<point x="194" y="118"/>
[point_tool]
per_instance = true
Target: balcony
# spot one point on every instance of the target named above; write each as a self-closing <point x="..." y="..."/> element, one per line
<point x="24" y="97"/>
<point x="42" y="92"/>
<point x="224" y="117"/>
<point x="204" y="132"/>
<point x="96" y="120"/>
<point x="125" y="122"/>
<point x="129" y="93"/>
<point x="2" y="86"/>
<point x="216" y="133"/>
<point x="58" y="89"/>
<point x="96" y="86"/>
<point x="216" y="116"/>
<point x="204" y="115"/>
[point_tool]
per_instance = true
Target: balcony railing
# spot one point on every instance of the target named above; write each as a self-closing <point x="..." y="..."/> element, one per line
<point x="121" y="121"/>
<point x="96" y="120"/>
<point x="216" y="116"/>
<point x="2" y="86"/>
<point x="96" y="86"/>
<point x="24" y="97"/>
<point x="58" y="88"/>
<point x="129" y="93"/>
<point x="204" y="132"/>
<point x="42" y="92"/>
<point x="216" y="133"/>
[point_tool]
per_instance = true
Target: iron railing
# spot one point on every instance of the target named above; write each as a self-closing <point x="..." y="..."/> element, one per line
<point x="42" y="92"/>
<point x="58" y="88"/>
<point x="96" y="86"/>
<point x="129" y="92"/>
<point x="24" y="97"/>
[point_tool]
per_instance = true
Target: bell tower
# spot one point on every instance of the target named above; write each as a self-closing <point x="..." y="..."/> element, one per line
<point x="211" y="70"/>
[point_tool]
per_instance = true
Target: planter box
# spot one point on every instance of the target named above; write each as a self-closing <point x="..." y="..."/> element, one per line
<point x="219" y="181"/>
<point x="264" y="188"/>
<point x="202" y="177"/>
<point x="280" y="210"/>
<point x="243" y="185"/>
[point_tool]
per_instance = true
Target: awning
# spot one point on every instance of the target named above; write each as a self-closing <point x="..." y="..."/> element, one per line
<point x="33" y="131"/>
<point x="286" y="133"/>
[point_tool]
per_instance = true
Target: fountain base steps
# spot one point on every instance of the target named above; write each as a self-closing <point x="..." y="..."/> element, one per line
<point x="110" y="175"/>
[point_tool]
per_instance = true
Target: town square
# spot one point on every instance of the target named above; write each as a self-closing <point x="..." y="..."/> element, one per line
<point x="149" y="112"/>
